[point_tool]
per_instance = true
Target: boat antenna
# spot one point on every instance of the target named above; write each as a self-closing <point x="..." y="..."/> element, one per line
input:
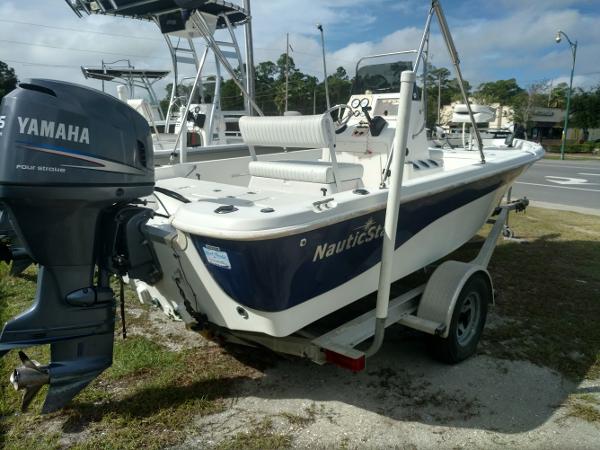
<point x="437" y="7"/>
<point x="320" y="28"/>
<point x="287" y="69"/>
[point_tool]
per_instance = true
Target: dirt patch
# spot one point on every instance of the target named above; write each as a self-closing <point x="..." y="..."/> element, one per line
<point x="404" y="400"/>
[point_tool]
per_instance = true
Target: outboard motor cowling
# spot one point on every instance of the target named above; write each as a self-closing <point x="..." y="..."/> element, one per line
<point x="69" y="155"/>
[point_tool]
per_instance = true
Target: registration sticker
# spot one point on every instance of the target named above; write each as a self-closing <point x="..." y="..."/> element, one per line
<point x="216" y="257"/>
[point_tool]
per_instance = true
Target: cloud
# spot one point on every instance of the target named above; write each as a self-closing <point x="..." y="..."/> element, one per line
<point x="546" y="4"/>
<point x="512" y="39"/>
<point x="504" y="47"/>
<point x="580" y="81"/>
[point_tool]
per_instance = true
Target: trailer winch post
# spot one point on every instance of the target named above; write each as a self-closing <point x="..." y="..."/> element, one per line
<point x="407" y="83"/>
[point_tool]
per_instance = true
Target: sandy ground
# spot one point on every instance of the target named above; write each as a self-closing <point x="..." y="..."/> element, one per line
<point x="404" y="399"/>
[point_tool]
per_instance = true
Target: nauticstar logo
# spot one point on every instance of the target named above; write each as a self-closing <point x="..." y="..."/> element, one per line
<point x="53" y="130"/>
<point x="361" y="235"/>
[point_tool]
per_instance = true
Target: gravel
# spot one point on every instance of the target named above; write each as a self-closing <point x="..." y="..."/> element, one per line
<point x="406" y="400"/>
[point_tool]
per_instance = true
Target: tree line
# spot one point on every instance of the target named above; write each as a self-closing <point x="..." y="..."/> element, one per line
<point x="307" y="94"/>
<point x="8" y="79"/>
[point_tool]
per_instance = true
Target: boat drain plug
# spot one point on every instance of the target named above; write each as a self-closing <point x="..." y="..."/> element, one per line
<point x="242" y="312"/>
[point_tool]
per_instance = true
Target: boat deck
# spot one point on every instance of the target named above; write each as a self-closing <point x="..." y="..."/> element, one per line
<point x="218" y="209"/>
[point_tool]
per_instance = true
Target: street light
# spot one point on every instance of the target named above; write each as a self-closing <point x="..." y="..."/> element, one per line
<point x="573" y="46"/>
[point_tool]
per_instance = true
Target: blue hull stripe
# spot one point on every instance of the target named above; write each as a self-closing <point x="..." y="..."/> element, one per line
<point x="277" y="274"/>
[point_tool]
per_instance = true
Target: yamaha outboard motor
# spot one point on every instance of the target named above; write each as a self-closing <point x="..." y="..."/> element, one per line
<point x="72" y="161"/>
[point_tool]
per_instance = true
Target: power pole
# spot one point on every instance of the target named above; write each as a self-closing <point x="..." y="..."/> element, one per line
<point x="315" y="101"/>
<point x="287" y="69"/>
<point x="320" y="28"/>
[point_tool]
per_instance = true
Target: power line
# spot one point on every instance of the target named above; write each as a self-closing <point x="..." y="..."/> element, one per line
<point x="306" y="53"/>
<point x="25" y="63"/>
<point x="56" y="47"/>
<point x="146" y="38"/>
<point x="79" y="30"/>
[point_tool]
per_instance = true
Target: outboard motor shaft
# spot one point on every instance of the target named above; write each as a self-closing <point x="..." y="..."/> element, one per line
<point x="69" y="156"/>
<point x="10" y="250"/>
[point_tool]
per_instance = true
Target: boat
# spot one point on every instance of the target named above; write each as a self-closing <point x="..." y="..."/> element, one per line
<point x="221" y="140"/>
<point x="255" y="249"/>
<point x="194" y="127"/>
<point x="453" y="137"/>
<point x="128" y="80"/>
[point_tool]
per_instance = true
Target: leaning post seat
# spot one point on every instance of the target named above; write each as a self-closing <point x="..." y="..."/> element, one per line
<point x="315" y="131"/>
<point x="289" y="131"/>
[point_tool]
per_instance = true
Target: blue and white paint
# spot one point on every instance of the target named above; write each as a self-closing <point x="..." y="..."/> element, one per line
<point x="277" y="274"/>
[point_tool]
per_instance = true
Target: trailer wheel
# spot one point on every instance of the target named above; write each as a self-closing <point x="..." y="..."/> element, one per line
<point x="468" y="320"/>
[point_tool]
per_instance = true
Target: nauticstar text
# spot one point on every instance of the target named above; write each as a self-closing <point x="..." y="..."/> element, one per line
<point x="362" y="235"/>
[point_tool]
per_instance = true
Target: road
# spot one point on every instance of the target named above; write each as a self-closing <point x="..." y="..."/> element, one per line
<point x="573" y="185"/>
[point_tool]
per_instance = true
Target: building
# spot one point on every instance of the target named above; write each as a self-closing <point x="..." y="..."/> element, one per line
<point x="543" y="123"/>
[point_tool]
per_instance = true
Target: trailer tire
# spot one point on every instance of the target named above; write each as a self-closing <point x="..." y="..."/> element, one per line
<point x="466" y="325"/>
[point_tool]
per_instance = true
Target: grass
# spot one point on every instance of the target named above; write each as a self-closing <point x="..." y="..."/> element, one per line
<point x="547" y="292"/>
<point x="588" y="413"/>
<point x="587" y="148"/>
<point x="585" y="407"/>
<point x="261" y="437"/>
<point x="303" y="420"/>
<point x="147" y="399"/>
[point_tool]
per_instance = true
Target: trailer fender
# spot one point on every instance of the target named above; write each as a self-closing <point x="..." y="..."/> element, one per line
<point x="442" y="291"/>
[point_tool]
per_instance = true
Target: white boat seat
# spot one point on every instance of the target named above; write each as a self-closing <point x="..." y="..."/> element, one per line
<point x="142" y="107"/>
<point x="289" y="131"/>
<point x="307" y="171"/>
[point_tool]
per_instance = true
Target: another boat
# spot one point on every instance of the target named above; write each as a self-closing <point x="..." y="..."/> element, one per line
<point x="128" y="80"/>
<point x="255" y="248"/>
<point x="464" y="137"/>
<point x="194" y="128"/>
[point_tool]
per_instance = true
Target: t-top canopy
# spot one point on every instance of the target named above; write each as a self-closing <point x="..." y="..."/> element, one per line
<point x="153" y="9"/>
<point x="109" y="74"/>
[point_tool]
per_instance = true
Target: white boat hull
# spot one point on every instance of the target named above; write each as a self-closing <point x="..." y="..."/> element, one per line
<point x="258" y="295"/>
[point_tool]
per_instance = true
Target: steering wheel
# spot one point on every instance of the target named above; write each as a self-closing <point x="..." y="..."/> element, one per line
<point x="345" y="113"/>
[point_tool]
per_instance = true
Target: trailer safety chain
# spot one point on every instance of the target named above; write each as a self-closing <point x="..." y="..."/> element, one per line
<point x="200" y="318"/>
<point x="122" y="301"/>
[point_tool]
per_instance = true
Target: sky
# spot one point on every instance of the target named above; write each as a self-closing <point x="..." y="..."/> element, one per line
<point x="496" y="39"/>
